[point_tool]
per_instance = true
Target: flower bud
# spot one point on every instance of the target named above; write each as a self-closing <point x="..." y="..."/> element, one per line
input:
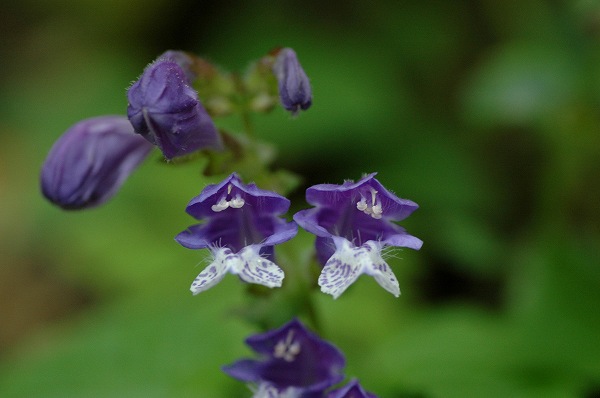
<point x="166" y="111"/>
<point x="185" y="62"/>
<point x="294" y="87"/>
<point x="88" y="164"/>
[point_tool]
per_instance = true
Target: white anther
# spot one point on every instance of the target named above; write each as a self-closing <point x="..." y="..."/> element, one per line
<point x="229" y="187"/>
<point x="287" y="349"/>
<point x="222" y="205"/>
<point x="237" y="202"/>
<point x="362" y="205"/>
<point x="377" y="211"/>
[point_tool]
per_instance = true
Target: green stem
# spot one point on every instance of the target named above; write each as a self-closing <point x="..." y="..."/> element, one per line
<point x="242" y="106"/>
<point x="247" y="122"/>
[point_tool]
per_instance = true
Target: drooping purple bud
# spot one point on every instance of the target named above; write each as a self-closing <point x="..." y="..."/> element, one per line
<point x="294" y="88"/>
<point x="166" y="111"/>
<point x="90" y="161"/>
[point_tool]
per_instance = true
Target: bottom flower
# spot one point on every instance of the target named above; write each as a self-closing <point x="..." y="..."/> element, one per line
<point x="295" y="363"/>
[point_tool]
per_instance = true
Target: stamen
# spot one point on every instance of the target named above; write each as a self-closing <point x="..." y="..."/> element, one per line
<point x="373" y="196"/>
<point x="229" y="188"/>
<point x="377" y="211"/>
<point x="237" y="202"/>
<point x="287" y="349"/>
<point x="362" y="205"/>
<point x="222" y="205"/>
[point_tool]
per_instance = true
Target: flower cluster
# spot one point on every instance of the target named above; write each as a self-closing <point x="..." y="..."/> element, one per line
<point x="91" y="161"/>
<point x="171" y="106"/>
<point x="353" y="223"/>
<point x="294" y="363"/>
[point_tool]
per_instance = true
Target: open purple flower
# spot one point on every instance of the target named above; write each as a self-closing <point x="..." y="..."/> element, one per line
<point x="241" y="227"/>
<point x="294" y="88"/>
<point x="351" y="390"/>
<point x="166" y="111"/>
<point x="295" y="363"/>
<point x="88" y="164"/>
<point x="353" y="223"/>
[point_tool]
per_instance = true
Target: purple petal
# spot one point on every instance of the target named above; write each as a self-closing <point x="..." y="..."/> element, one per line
<point x="237" y="228"/>
<point x="245" y="370"/>
<point x="261" y="201"/>
<point x="351" y="390"/>
<point x="330" y="195"/>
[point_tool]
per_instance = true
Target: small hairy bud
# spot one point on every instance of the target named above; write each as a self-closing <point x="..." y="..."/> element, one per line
<point x="165" y="110"/>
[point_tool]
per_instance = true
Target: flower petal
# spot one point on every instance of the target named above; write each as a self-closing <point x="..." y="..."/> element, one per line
<point x="244" y="370"/>
<point x="255" y="269"/>
<point x="351" y="390"/>
<point x="282" y="232"/>
<point x="261" y="201"/>
<point x="342" y="269"/>
<point x="348" y="262"/>
<point x="379" y="270"/>
<point x="224" y="260"/>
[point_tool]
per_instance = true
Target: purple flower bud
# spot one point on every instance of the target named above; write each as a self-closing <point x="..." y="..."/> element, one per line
<point x="184" y="61"/>
<point x="353" y="223"/>
<point x="241" y="226"/>
<point x="90" y="162"/>
<point x="351" y="390"/>
<point x="166" y="111"/>
<point x="294" y="361"/>
<point x="294" y="87"/>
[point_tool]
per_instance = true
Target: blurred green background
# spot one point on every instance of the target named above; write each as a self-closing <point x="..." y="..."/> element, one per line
<point x="486" y="113"/>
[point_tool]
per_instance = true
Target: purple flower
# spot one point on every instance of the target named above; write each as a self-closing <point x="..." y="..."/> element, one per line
<point x="351" y="390"/>
<point x="294" y="87"/>
<point x="88" y="164"/>
<point x="241" y="227"/>
<point x="353" y="223"/>
<point x="166" y="111"/>
<point x="295" y="363"/>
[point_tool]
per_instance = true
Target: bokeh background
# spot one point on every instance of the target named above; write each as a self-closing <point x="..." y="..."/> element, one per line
<point x="486" y="113"/>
